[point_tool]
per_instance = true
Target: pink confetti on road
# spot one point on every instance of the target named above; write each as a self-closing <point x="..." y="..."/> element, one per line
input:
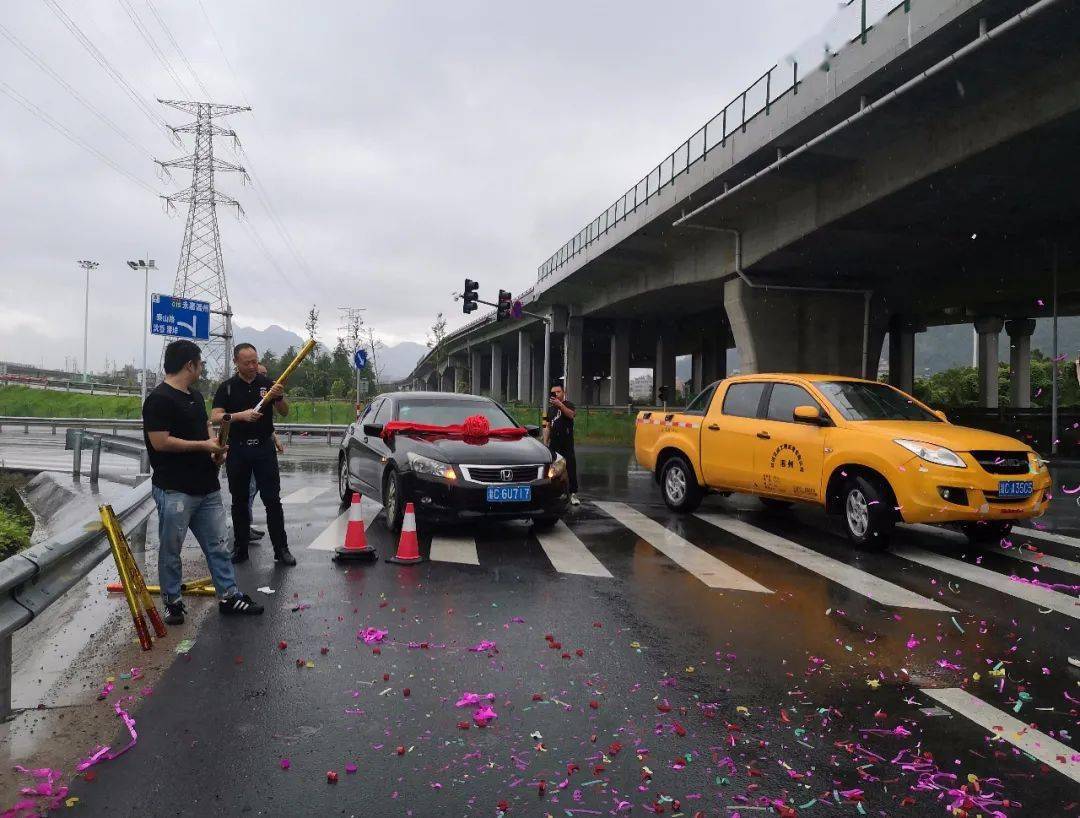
<point x="484" y="715"/>
<point x="371" y="636"/>
<point x="474" y="699"/>
<point x="483" y="647"/>
<point x="1074" y="490"/>
<point x="104" y="753"/>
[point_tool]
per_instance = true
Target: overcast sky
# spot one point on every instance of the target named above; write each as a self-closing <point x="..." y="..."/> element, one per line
<point x="403" y="146"/>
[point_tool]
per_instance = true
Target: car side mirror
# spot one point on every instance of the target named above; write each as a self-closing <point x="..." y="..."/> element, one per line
<point x="532" y="430"/>
<point x="373" y="429"/>
<point x="941" y="415"/>
<point x="807" y="414"/>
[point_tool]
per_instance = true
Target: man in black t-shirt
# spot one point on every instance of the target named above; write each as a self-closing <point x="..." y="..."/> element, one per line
<point x="251" y="450"/>
<point x="184" y="457"/>
<point x="561" y="414"/>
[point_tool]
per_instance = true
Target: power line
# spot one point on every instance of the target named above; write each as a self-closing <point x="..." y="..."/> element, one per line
<point x="108" y="67"/>
<point x="44" y="66"/>
<point x="155" y="49"/>
<point x="224" y="56"/>
<point x="179" y="50"/>
<point x="70" y="136"/>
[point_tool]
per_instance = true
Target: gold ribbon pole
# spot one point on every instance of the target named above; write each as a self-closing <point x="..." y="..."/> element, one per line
<point x="299" y="359"/>
<point x="118" y="545"/>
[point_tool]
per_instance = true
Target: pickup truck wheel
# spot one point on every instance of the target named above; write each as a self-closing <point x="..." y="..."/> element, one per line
<point x="679" y="485"/>
<point x="986" y="533"/>
<point x="775" y="505"/>
<point x="868" y="518"/>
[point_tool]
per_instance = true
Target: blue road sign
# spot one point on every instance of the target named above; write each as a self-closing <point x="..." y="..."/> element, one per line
<point x="359" y="358"/>
<point x="179" y="317"/>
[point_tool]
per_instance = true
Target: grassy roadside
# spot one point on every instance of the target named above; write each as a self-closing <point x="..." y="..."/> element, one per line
<point x="16" y="522"/>
<point x="591" y="425"/>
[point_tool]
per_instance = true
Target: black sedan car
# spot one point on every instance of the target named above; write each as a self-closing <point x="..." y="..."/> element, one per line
<point x="448" y="478"/>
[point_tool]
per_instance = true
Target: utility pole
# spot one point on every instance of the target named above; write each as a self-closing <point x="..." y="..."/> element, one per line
<point x="350" y="329"/>
<point x="146" y="267"/>
<point x="200" y="273"/>
<point x="87" y="267"/>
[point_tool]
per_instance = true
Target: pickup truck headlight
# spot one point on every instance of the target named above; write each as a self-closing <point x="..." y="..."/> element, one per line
<point x="557" y="467"/>
<point x="435" y="468"/>
<point x="1037" y="463"/>
<point x="933" y="454"/>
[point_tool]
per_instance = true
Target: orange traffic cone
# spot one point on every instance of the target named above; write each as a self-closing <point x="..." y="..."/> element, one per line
<point x="356" y="546"/>
<point x="408" y="550"/>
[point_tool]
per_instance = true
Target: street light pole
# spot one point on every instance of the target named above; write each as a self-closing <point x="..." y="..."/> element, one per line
<point x="87" y="266"/>
<point x="146" y="267"/>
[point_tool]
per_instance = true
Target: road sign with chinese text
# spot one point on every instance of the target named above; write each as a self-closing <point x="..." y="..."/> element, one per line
<point x="179" y="317"/>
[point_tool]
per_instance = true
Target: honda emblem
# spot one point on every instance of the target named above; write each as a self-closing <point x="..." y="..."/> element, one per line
<point x="506" y="475"/>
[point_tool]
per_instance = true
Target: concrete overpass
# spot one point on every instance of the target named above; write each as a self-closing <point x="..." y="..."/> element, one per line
<point x="924" y="175"/>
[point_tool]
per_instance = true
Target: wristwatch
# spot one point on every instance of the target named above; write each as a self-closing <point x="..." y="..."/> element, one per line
<point x="227" y="417"/>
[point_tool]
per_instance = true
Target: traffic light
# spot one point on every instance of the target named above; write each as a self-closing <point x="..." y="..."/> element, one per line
<point x="662" y="394"/>
<point x="503" y="310"/>
<point x="470" y="296"/>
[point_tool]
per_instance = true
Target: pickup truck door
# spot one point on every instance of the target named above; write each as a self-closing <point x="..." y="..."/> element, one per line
<point x="789" y="456"/>
<point x="728" y="436"/>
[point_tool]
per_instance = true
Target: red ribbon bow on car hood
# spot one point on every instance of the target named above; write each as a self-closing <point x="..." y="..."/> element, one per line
<point x="474" y="429"/>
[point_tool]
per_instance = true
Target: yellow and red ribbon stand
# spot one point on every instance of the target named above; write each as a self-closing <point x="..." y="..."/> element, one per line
<point x="131" y="579"/>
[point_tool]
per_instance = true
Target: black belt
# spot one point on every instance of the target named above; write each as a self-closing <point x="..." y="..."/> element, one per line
<point x="254" y="441"/>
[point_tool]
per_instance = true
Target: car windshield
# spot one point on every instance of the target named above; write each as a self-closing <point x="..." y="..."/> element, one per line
<point x="448" y="412"/>
<point x="858" y="400"/>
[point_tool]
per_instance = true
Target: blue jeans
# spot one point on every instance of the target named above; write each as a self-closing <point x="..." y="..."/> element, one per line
<point x="204" y="515"/>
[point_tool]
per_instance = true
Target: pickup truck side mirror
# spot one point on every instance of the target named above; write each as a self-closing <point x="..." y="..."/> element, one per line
<point x="373" y="429"/>
<point x="532" y="430"/>
<point x="941" y="415"/>
<point x="807" y="414"/>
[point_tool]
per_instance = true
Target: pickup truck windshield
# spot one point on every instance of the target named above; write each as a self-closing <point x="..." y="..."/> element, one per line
<point x="856" y="400"/>
<point x="447" y="412"/>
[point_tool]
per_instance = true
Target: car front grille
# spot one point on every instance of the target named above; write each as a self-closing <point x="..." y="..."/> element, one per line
<point x="996" y="462"/>
<point x="503" y="474"/>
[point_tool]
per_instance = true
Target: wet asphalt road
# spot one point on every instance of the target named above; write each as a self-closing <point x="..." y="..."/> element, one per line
<point x="636" y="690"/>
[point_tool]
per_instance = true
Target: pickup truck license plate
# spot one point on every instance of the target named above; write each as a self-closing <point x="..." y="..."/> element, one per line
<point x="509" y="494"/>
<point x="1014" y="488"/>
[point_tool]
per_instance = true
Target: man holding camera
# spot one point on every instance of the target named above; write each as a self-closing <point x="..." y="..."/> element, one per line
<point x="561" y="435"/>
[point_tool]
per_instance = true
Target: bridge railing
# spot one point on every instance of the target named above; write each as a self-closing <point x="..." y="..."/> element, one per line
<point x="69" y="385"/>
<point x="330" y="430"/>
<point x="852" y="24"/>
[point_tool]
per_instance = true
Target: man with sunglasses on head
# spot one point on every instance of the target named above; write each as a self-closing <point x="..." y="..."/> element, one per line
<point x="561" y="435"/>
<point x="184" y="458"/>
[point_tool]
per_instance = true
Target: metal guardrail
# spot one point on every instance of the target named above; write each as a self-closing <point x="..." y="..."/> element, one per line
<point x="757" y="98"/>
<point x="32" y="580"/>
<point x="289" y="429"/>
<point x="79" y="439"/>
<point x="93" y="387"/>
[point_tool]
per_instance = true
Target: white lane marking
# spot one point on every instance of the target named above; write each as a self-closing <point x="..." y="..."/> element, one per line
<point x="304" y="495"/>
<point x="1043" y="597"/>
<point x="873" y="587"/>
<point x="333" y="535"/>
<point x="1016" y="552"/>
<point x="1064" y="539"/>
<point x="704" y="566"/>
<point x="1049" y="751"/>
<point x="460" y="548"/>
<point x="568" y="554"/>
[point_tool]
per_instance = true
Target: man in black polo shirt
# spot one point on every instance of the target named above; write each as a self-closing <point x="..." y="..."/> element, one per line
<point x="251" y="450"/>
<point x="561" y="434"/>
<point x="185" y="458"/>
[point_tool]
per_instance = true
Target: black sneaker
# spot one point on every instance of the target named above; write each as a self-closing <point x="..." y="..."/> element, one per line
<point x="239" y="556"/>
<point x="254" y="535"/>
<point x="240" y="604"/>
<point x="174" y="612"/>
<point x="284" y="556"/>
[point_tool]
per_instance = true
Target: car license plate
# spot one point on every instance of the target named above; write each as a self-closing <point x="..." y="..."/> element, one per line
<point x="1014" y="488"/>
<point x="509" y="494"/>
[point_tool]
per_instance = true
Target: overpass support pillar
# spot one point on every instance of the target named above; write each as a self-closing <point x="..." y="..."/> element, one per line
<point x="779" y="330"/>
<point x="989" y="329"/>
<point x="1020" y="330"/>
<point x="619" y="392"/>
<point x="573" y="352"/>
<point x="459" y="378"/>
<point x="538" y="385"/>
<point x="664" y="365"/>
<point x="476" y="371"/>
<point x="713" y="359"/>
<point x="497" y="371"/>
<point x="524" y="367"/>
<point x="902" y="353"/>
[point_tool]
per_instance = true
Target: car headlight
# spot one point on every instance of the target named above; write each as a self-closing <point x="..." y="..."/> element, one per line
<point x="557" y="467"/>
<point x="436" y="468"/>
<point x="1037" y="463"/>
<point x="933" y="454"/>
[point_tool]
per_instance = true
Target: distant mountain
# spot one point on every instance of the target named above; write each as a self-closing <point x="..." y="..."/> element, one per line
<point x="274" y="338"/>
<point x="941" y="348"/>
<point x="396" y="362"/>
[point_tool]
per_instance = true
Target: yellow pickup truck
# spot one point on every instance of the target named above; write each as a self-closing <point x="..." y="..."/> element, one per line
<point x="861" y="449"/>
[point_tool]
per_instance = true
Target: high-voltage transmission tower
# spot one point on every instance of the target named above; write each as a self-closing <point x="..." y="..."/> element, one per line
<point x="200" y="273"/>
